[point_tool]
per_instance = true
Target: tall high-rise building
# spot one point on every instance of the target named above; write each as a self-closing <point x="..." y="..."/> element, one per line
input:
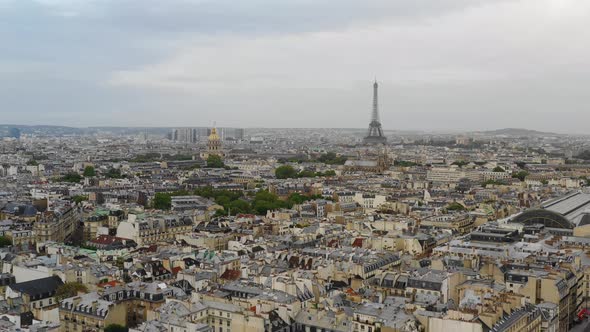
<point x="229" y="134"/>
<point x="375" y="134"/>
<point x="192" y="135"/>
<point x="186" y="135"/>
<point x="232" y="134"/>
<point x="10" y="132"/>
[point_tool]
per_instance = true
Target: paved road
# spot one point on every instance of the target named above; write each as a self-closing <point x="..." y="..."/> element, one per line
<point x="582" y="327"/>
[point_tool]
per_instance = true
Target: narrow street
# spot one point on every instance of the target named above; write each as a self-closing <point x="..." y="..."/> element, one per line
<point x="583" y="327"/>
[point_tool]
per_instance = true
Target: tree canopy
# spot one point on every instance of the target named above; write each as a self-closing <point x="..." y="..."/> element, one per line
<point x="163" y="201"/>
<point x="521" y="175"/>
<point x="79" y="198"/>
<point x="215" y="161"/>
<point x="70" y="289"/>
<point x="455" y="206"/>
<point x="498" y="169"/>
<point x="113" y="173"/>
<point x="285" y="172"/>
<point x="89" y="171"/>
<point x="331" y="158"/>
<point x="460" y="163"/>
<point x="265" y="201"/>
<point x="404" y="163"/>
<point x="72" y="177"/>
<point x="288" y="172"/>
<point x="492" y="182"/>
<point x="584" y="155"/>
<point x="235" y="202"/>
<point x="5" y="241"/>
<point x="116" y="328"/>
<point x="154" y="156"/>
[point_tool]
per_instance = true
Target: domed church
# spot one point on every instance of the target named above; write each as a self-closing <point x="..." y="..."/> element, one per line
<point x="214" y="146"/>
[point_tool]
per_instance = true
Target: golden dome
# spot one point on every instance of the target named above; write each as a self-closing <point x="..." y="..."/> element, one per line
<point x="214" y="136"/>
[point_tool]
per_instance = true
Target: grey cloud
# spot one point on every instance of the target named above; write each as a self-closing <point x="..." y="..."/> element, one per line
<point x="305" y="63"/>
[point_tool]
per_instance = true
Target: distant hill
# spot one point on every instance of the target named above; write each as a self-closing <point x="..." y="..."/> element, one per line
<point x="44" y="129"/>
<point x="516" y="132"/>
<point x="64" y="130"/>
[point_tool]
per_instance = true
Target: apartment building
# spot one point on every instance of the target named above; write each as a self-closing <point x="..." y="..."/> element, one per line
<point x="154" y="229"/>
<point x="451" y="175"/>
<point x="58" y="224"/>
<point x="89" y="312"/>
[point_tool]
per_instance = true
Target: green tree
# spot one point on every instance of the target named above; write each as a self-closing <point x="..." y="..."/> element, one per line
<point x="306" y="174"/>
<point x="460" y="163"/>
<point x="88" y="247"/>
<point x="72" y="177"/>
<point x="498" y="169"/>
<point x="162" y="201"/>
<point x="144" y="158"/>
<point x="5" y="242"/>
<point x="223" y="200"/>
<point x="491" y="182"/>
<point x="79" y="198"/>
<point x="89" y="171"/>
<point x="455" y="206"/>
<point x="285" y="172"/>
<point x="70" y="289"/>
<point x="219" y="213"/>
<point x="265" y="201"/>
<point x="239" y="206"/>
<point x="521" y="175"/>
<point x="179" y="157"/>
<point x="404" y="163"/>
<point x="215" y="161"/>
<point x="192" y="167"/>
<point x="113" y="173"/>
<point x="297" y="198"/>
<point x="265" y="195"/>
<point x="584" y="155"/>
<point x="116" y="328"/>
<point x="232" y="201"/>
<point x="331" y="158"/>
<point x="32" y="162"/>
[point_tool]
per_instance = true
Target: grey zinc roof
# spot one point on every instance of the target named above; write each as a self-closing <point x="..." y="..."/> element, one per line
<point x="43" y="288"/>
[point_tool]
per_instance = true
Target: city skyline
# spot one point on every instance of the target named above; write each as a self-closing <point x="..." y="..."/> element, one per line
<point x="294" y="166"/>
<point x="441" y="66"/>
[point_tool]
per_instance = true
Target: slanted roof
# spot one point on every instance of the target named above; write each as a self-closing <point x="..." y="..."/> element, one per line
<point x="38" y="288"/>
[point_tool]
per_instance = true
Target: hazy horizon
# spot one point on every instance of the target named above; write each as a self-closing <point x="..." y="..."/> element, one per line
<point x="457" y="65"/>
<point x="385" y="130"/>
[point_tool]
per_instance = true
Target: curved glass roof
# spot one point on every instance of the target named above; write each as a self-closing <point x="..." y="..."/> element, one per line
<point x="544" y="217"/>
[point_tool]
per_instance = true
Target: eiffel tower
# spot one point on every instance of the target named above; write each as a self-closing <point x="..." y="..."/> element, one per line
<point x="375" y="135"/>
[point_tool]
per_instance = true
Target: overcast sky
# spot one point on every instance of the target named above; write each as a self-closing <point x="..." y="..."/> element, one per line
<point x="441" y="64"/>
